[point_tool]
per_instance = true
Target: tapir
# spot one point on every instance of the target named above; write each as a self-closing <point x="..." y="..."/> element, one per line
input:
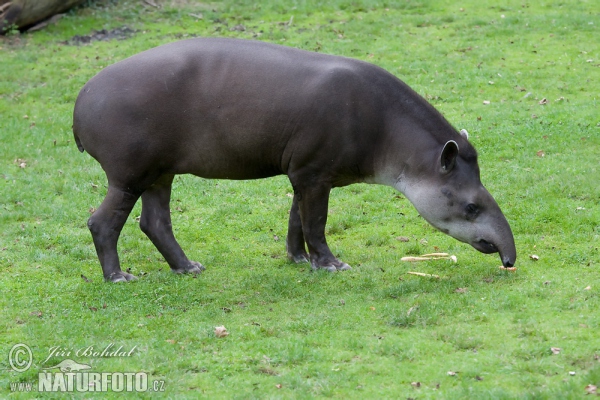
<point x="239" y="109"/>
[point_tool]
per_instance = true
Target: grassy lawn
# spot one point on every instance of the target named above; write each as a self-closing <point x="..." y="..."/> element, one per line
<point x="375" y="331"/>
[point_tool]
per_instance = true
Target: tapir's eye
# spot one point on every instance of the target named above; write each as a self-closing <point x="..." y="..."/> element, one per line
<point x="472" y="210"/>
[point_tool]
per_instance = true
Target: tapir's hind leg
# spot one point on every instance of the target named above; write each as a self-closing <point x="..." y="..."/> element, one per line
<point x="105" y="225"/>
<point x="294" y="243"/>
<point x="155" y="222"/>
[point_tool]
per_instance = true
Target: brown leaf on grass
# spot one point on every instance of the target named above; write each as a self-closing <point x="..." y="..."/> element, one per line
<point x="591" y="389"/>
<point x="543" y="101"/>
<point x="555" y="350"/>
<point x="451" y="373"/>
<point x="278" y="386"/>
<point x="540" y="153"/>
<point x="85" y="278"/>
<point x="36" y="313"/>
<point x="534" y="257"/>
<point x="416" y="384"/>
<point x="93" y="309"/>
<point x="170" y="341"/>
<point x="461" y="290"/>
<point x="221" y="331"/>
<point x="403" y="239"/>
<point x="587" y="288"/>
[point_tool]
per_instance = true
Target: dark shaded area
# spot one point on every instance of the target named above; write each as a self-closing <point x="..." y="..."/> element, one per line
<point x="103" y="34"/>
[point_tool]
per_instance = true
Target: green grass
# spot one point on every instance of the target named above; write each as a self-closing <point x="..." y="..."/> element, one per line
<point x="366" y="333"/>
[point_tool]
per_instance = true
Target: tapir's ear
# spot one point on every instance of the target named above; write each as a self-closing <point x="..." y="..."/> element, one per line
<point x="449" y="154"/>
<point x="464" y="134"/>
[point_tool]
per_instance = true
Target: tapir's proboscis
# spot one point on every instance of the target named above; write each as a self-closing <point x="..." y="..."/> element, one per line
<point x="240" y="109"/>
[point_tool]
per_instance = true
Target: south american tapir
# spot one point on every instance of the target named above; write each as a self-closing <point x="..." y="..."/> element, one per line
<point x="240" y="109"/>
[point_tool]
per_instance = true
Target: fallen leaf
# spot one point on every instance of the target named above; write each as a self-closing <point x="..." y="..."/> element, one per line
<point x="416" y="384"/>
<point x="451" y="373"/>
<point x="410" y="310"/>
<point x="403" y="239"/>
<point x="461" y="290"/>
<point x="591" y="389"/>
<point x="543" y="101"/>
<point x="555" y="350"/>
<point x="572" y="373"/>
<point x="226" y="309"/>
<point x="93" y="309"/>
<point x="486" y="102"/>
<point x="170" y="341"/>
<point x="221" y="331"/>
<point x="85" y="278"/>
<point x="534" y="257"/>
<point x="278" y="386"/>
<point x="588" y="288"/>
<point x="372" y="308"/>
<point x="36" y="313"/>
<point x="540" y="153"/>
<point x="478" y="378"/>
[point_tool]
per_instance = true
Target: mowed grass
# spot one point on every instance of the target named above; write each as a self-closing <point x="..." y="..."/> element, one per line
<point x="375" y="331"/>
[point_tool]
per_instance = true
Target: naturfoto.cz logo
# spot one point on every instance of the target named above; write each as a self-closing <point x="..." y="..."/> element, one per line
<point x="72" y="376"/>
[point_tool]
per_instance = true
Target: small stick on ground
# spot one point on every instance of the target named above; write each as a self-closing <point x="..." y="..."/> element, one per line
<point x="423" y="274"/>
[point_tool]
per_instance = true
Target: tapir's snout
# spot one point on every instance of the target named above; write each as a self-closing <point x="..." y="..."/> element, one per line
<point x="507" y="250"/>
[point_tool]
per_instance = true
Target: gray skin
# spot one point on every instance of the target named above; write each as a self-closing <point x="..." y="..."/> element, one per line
<point x="238" y="109"/>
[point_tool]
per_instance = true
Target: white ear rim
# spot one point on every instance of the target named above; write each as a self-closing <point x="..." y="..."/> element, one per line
<point x="448" y="164"/>
<point x="464" y="133"/>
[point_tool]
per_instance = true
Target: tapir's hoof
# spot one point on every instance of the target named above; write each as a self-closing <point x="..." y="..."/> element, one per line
<point x="298" y="259"/>
<point x="192" y="268"/>
<point x="121" y="276"/>
<point x="333" y="267"/>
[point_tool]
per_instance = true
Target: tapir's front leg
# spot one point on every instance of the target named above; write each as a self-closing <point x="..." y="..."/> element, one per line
<point x="313" y="204"/>
<point x="105" y="225"/>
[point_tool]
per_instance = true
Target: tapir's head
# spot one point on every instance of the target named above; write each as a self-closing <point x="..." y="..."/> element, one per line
<point x="444" y="185"/>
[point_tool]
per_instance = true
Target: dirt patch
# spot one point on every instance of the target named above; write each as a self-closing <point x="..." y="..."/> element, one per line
<point x="102" y="35"/>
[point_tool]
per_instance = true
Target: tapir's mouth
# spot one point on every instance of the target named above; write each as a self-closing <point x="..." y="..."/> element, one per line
<point x="484" y="246"/>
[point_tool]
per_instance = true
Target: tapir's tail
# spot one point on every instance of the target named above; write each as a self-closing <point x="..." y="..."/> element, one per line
<point x="77" y="141"/>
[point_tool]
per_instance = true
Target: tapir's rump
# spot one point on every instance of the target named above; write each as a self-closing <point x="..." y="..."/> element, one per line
<point x="238" y="109"/>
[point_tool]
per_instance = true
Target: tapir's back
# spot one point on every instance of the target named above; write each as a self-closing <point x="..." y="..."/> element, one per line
<point x="211" y="106"/>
